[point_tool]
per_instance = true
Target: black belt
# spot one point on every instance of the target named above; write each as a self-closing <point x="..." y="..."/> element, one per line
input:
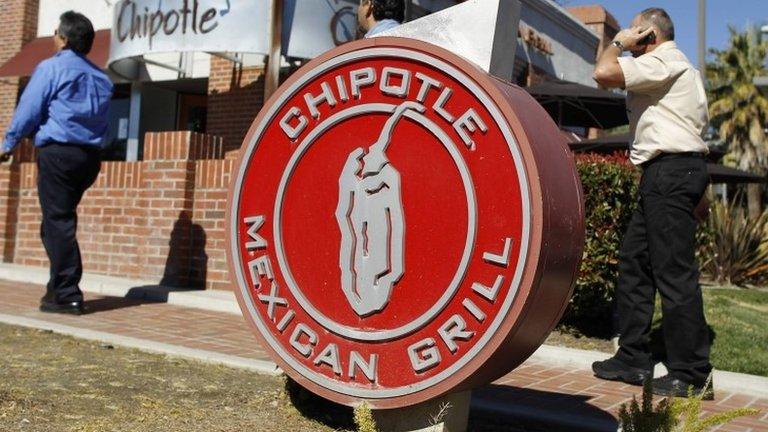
<point x="666" y="156"/>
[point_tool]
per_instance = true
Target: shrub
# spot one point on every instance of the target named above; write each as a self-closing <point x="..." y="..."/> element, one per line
<point x="364" y="418"/>
<point x="610" y="188"/>
<point x="679" y="415"/>
<point x="735" y="249"/>
<point x="644" y="417"/>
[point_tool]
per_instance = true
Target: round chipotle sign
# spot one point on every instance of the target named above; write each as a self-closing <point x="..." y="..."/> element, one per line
<point x="390" y="224"/>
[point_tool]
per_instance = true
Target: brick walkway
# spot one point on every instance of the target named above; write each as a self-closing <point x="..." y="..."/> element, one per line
<point x="533" y="394"/>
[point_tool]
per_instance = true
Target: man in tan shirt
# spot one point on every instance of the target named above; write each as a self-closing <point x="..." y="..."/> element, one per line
<point x="667" y="110"/>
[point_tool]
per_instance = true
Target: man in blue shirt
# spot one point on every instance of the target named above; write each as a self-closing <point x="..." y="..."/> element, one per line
<point x="376" y="16"/>
<point x="65" y="106"/>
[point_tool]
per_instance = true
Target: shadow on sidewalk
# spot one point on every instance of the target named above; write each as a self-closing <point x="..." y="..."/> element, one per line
<point x="136" y="296"/>
<point x="537" y="410"/>
<point x="105" y="304"/>
<point x="496" y="408"/>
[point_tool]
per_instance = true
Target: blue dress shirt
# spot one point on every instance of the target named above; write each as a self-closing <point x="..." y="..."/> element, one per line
<point x="66" y="101"/>
<point x="382" y="26"/>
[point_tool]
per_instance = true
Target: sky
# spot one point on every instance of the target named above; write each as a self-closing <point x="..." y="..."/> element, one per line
<point x="720" y="13"/>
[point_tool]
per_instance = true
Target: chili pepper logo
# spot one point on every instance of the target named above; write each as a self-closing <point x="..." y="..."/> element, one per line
<point x="370" y="217"/>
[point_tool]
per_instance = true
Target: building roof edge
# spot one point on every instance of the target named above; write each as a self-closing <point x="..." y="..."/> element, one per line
<point x="554" y="10"/>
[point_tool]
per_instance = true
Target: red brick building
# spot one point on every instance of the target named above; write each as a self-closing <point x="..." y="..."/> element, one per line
<point x="160" y="219"/>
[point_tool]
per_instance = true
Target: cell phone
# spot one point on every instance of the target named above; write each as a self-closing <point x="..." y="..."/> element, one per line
<point x="651" y="38"/>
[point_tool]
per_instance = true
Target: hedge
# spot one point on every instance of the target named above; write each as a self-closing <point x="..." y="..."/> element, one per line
<point x="610" y="187"/>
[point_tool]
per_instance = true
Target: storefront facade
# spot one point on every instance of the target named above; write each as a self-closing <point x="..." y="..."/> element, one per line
<point x="180" y="87"/>
<point x="160" y="217"/>
<point x="555" y="44"/>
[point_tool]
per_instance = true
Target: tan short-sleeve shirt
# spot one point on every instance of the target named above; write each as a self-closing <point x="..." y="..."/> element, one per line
<point x="666" y="103"/>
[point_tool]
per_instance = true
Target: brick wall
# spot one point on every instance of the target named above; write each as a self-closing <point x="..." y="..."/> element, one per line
<point x="160" y="220"/>
<point x="209" y="258"/>
<point x="235" y="96"/>
<point x="18" y="25"/>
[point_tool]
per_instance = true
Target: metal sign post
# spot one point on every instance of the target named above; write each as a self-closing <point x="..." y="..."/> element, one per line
<point x="275" y="50"/>
<point x="132" y="146"/>
<point x="702" y="39"/>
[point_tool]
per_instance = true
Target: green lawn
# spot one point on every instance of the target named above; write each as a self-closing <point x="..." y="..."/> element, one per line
<point x="739" y="319"/>
<point x="739" y="322"/>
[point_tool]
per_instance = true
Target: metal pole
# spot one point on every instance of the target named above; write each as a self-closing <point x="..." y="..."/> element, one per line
<point x="408" y="11"/>
<point x="273" y="64"/>
<point x="702" y="36"/>
<point x="134" y="116"/>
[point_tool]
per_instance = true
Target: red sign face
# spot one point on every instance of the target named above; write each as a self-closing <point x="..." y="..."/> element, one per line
<point x="380" y="224"/>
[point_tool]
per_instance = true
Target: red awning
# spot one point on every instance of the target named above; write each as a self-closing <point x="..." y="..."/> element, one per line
<point x="25" y="61"/>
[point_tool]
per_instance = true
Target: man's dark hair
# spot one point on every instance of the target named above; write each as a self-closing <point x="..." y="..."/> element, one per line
<point x="660" y="18"/>
<point x="78" y="31"/>
<point x="388" y="9"/>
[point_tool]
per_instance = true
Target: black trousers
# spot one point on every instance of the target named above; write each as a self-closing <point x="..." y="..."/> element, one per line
<point x="658" y="254"/>
<point x="65" y="171"/>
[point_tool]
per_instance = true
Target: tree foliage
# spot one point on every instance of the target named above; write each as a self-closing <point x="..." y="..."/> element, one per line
<point x="737" y="108"/>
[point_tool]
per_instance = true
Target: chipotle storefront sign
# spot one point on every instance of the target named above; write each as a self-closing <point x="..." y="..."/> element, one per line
<point x="310" y="27"/>
<point x="151" y="26"/>
<point x="402" y="225"/>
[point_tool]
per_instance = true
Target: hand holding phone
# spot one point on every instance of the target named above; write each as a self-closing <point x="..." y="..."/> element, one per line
<point x="649" y="39"/>
<point x="635" y="37"/>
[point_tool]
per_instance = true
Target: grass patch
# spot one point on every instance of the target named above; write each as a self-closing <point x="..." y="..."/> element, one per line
<point x="738" y="319"/>
<point x="738" y="322"/>
<point x="50" y="382"/>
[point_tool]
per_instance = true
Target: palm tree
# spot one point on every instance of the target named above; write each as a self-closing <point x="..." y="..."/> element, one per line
<point x="737" y="108"/>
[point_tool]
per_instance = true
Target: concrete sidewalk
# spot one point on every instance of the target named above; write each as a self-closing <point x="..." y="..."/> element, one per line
<point x="543" y="394"/>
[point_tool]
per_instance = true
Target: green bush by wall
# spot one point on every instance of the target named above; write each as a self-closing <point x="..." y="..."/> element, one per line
<point x="610" y="186"/>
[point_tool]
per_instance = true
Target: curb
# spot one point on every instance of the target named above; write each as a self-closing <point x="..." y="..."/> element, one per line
<point x="259" y="366"/>
<point x="224" y="301"/>
<point x="750" y="385"/>
<point x="211" y="300"/>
